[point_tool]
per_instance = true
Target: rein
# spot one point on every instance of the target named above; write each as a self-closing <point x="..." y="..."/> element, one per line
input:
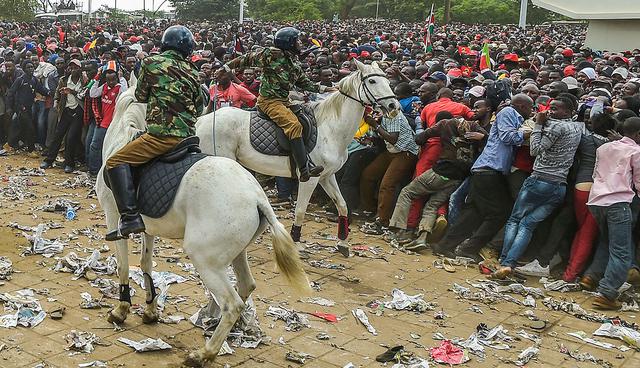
<point x="367" y="92"/>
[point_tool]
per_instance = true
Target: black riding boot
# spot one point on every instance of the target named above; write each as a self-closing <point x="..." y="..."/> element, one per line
<point x="299" y="152"/>
<point x="121" y="181"/>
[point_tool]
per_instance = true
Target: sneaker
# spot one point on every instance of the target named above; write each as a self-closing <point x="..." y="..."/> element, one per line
<point x="588" y="283"/>
<point x="417" y="245"/>
<point x="439" y="229"/>
<point x="533" y="268"/>
<point x="489" y="254"/>
<point x="603" y="303"/>
<point x="46" y="165"/>
<point x="69" y="169"/>
<point x="404" y="236"/>
<point x="633" y="277"/>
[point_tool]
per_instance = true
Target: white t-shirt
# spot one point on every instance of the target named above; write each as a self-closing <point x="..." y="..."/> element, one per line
<point x="73" y="101"/>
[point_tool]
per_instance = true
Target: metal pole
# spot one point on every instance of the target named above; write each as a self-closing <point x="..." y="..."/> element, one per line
<point x="377" y="6"/>
<point x="144" y="10"/>
<point x="241" y="18"/>
<point x="89" y="11"/>
<point x="523" y="14"/>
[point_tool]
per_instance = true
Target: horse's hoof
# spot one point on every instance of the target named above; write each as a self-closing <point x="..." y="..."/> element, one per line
<point x="150" y="318"/>
<point x="115" y="318"/>
<point x="195" y="360"/>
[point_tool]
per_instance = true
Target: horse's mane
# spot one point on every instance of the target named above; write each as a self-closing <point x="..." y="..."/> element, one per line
<point x="328" y="109"/>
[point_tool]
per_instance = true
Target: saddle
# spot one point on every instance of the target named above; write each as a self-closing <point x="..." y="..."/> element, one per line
<point x="158" y="180"/>
<point x="268" y="138"/>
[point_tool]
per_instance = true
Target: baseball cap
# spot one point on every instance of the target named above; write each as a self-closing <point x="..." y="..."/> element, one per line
<point x="438" y="76"/>
<point x="571" y="82"/>
<point x="477" y="91"/>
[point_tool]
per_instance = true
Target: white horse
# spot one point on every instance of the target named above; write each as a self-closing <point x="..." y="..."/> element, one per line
<point x="226" y="133"/>
<point x="219" y="209"/>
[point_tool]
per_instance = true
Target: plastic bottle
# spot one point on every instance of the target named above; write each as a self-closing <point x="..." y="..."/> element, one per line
<point x="70" y="214"/>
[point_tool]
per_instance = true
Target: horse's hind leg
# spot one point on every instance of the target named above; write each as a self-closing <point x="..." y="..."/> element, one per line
<point x="151" y="312"/>
<point x="246" y="283"/>
<point x="305" y="190"/>
<point x="119" y="314"/>
<point x="231" y="306"/>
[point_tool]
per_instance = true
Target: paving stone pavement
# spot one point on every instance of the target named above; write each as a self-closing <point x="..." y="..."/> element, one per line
<point x="363" y="280"/>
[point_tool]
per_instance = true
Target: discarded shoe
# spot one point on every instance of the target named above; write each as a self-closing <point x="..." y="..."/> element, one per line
<point x="501" y="273"/>
<point x="390" y="354"/>
<point x="633" y="277"/>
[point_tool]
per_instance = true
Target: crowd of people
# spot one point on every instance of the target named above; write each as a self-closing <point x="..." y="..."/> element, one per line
<point x="513" y="145"/>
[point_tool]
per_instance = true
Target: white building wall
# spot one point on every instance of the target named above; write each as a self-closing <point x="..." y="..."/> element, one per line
<point x="613" y="35"/>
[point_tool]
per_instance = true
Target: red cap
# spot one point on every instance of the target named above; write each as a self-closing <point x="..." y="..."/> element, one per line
<point x="455" y="73"/>
<point x="618" y="57"/>
<point x="567" y="53"/>
<point x="365" y="53"/>
<point x="133" y="39"/>
<point x="569" y="71"/>
<point x="511" y="57"/>
<point x="352" y="55"/>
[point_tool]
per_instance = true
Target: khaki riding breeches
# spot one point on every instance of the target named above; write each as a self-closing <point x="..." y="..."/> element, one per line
<point x="142" y="150"/>
<point x="278" y="110"/>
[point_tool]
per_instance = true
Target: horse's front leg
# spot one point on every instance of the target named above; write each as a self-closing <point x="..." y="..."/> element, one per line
<point x="119" y="314"/>
<point x="305" y="190"/>
<point x="151" y="312"/>
<point x="330" y="186"/>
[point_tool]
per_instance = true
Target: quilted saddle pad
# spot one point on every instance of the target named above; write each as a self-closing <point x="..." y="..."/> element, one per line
<point x="158" y="184"/>
<point x="268" y="138"/>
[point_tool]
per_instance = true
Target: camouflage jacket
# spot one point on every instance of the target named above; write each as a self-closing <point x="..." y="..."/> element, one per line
<point x="169" y="85"/>
<point x="279" y="72"/>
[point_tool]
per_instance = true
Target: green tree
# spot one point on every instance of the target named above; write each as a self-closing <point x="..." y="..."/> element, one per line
<point x="21" y="10"/>
<point x="218" y="10"/>
<point x="287" y="10"/>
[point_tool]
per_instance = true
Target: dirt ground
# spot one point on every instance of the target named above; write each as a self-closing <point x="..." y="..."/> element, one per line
<point x="365" y="278"/>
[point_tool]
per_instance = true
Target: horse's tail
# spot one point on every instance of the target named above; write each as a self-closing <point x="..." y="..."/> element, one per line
<point x="286" y="253"/>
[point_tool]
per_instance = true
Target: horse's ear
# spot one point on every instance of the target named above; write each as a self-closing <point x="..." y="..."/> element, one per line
<point x="361" y="66"/>
<point x="375" y="65"/>
<point x="133" y="80"/>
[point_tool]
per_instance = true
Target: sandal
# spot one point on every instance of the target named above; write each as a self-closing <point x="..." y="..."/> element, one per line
<point x="448" y="265"/>
<point x="501" y="274"/>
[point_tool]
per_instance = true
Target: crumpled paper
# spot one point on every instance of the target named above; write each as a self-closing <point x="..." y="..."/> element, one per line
<point x="628" y="335"/>
<point x="161" y="280"/>
<point x="447" y="353"/>
<point x="559" y="285"/>
<point x="94" y="364"/>
<point x="6" y="268"/>
<point x="79" y="266"/>
<point x="40" y="245"/>
<point x="577" y="311"/>
<point x="319" y="301"/>
<point x="402" y="301"/>
<point x="496" y="338"/>
<point x="584" y="337"/>
<point x="325" y="264"/>
<point x="362" y="317"/>
<point x="24" y="307"/>
<point x="295" y="321"/>
<point x="148" y="344"/>
<point x="82" y="341"/>
<point x="59" y="205"/>
<point x="109" y="288"/>
<point x="421" y="364"/>
<point x="297" y="356"/>
<point x="82" y="180"/>
<point x="246" y="332"/>
<point x="17" y="189"/>
<point x="526" y="355"/>
<point x="89" y="303"/>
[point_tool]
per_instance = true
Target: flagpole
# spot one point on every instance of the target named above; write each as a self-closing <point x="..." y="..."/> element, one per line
<point x="377" y="6"/>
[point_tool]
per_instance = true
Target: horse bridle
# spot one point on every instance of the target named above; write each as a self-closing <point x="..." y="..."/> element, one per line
<point x="364" y="87"/>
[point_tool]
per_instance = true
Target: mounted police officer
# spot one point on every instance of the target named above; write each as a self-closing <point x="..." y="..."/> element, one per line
<point x="280" y="73"/>
<point x="169" y="84"/>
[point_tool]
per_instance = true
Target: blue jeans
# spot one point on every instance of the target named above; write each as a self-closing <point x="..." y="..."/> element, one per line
<point x="615" y="252"/>
<point x="536" y="200"/>
<point x="457" y="201"/>
<point x="94" y="157"/>
<point x="284" y="186"/>
<point x="40" y="116"/>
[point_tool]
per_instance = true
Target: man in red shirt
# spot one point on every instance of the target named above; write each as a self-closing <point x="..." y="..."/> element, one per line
<point x="108" y="93"/>
<point x="430" y="151"/>
<point x="225" y="93"/>
<point x="250" y="82"/>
